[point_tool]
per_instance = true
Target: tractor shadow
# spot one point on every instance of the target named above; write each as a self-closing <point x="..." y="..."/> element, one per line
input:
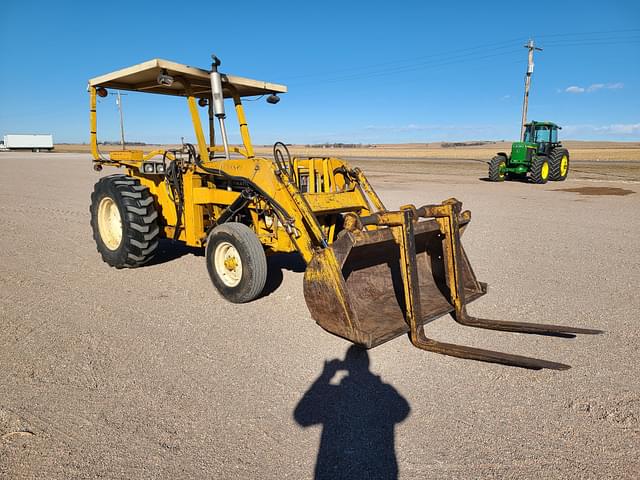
<point x="278" y="262"/>
<point x="358" y="413"/>
<point x="169" y="250"/>
<point x="514" y="179"/>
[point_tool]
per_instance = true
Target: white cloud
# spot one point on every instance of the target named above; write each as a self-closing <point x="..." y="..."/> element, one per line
<point x="412" y="127"/>
<point x="574" y="89"/>
<point x="614" y="129"/>
<point x="594" y="87"/>
<point x="430" y="132"/>
<point x="621" y="128"/>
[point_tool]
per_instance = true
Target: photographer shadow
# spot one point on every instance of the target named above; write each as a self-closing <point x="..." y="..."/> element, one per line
<point x="358" y="416"/>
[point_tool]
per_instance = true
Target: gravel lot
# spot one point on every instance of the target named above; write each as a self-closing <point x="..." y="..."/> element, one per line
<point x="149" y="373"/>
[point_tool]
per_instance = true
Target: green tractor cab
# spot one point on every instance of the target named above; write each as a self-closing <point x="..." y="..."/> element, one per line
<point x="540" y="156"/>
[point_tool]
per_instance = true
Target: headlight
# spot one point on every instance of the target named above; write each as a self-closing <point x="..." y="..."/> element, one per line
<point x="153" y="168"/>
<point x="164" y="78"/>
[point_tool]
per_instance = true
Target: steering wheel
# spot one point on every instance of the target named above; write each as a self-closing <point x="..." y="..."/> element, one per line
<point x="285" y="165"/>
<point x="345" y="175"/>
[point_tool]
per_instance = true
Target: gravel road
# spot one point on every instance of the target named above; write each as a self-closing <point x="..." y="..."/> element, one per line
<point x="149" y="373"/>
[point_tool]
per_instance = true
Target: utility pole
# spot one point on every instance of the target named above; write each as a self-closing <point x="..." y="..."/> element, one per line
<point x="527" y="84"/>
<point x="119" y="103"/>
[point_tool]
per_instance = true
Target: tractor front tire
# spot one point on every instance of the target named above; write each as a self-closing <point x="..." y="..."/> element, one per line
<point x="124" y="221"/>
<point x="559" y="164"/>
<point x="496" y="168"/>
<point x="539" y="169"/>
<point x="236" y="262"/>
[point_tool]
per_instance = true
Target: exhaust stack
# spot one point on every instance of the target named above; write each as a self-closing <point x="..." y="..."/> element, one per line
<point x="218" y="102"/>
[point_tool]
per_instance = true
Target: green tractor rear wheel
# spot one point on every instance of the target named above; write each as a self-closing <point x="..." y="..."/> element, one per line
<point x="497" y="168"/>
<point x="539" y="172"/>
<point x="559" y="164"/>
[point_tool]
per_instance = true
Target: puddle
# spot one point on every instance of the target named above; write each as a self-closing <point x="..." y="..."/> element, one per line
<point x="620" y="192"/>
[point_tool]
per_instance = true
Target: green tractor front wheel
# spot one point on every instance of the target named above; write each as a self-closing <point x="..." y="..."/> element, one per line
<point x="497" y="168"/>
<point x="539" y="172"/>
<point x="559" y="164"/>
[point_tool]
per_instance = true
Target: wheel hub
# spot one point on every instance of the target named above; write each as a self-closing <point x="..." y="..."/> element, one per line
<point x="564" y="165"/>
<point x="544" y="173"/>
<point x="228" y="264"/>
<point x="109" y="223"/>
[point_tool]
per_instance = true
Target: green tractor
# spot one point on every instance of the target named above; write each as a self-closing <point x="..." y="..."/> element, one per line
<point x="540" y="155"/>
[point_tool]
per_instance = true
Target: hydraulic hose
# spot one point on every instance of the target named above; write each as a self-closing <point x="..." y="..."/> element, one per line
<point x="242" y="180"/>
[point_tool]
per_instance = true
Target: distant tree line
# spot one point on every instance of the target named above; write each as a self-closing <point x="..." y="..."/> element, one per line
<point x="339" y="145"/>
<point x="464" y="144"/>
<point x="110" y="142"/>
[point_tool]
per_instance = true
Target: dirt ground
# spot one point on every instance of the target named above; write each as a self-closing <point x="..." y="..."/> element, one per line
<point x="149" y="373"/>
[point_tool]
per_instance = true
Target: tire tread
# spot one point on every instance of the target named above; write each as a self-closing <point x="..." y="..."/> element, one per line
<point x="494" y="168"/>
<point x="255" y="263"/>
<point x="140" y="229"/>
<point x="535" y="173"/>
<point x="554" y="164"/>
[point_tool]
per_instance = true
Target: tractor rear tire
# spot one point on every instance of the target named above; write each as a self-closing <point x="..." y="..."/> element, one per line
<point x="236" y="262"/>
<point x="496" y="168"/>
<point x="124" y="221"/>
<point x="539" y="172"/>
<point x="559" y="164"/>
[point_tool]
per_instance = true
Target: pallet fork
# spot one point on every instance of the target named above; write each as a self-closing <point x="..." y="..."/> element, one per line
<point x="448" y="271"/>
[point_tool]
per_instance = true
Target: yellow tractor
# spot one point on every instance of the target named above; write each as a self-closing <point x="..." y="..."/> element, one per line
<point x="372" y="274"/>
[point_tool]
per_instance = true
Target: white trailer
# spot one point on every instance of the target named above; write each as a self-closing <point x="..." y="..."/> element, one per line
<point x="35" y="143"/>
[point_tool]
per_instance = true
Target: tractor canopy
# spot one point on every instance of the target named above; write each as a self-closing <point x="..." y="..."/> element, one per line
<point x="541" y="132"/>
<point x="539" y="139"/>
<point x="170" y="78"/>
<point x="196" y="85"/>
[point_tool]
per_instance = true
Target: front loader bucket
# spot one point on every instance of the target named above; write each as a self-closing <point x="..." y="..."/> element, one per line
<point x="370" y="286"/>
<point x="354" y="288"/>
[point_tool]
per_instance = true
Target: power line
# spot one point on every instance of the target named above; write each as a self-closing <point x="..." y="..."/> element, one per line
<point x="631" y="41"/>
<point x="573" y="34"/>
<point x="456" y="56"/>
<point x="413" y="60"/>
<point x="409" y="68"/>
<point x="595" y="39"/>
<point x="490" y="63"/>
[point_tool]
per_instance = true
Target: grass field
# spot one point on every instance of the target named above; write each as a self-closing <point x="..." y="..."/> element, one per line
<point x="589" y="160"/>
<point x="589" y="151"/>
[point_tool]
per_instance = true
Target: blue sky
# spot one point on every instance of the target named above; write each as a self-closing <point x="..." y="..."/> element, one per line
<point x="369" y="72"/>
